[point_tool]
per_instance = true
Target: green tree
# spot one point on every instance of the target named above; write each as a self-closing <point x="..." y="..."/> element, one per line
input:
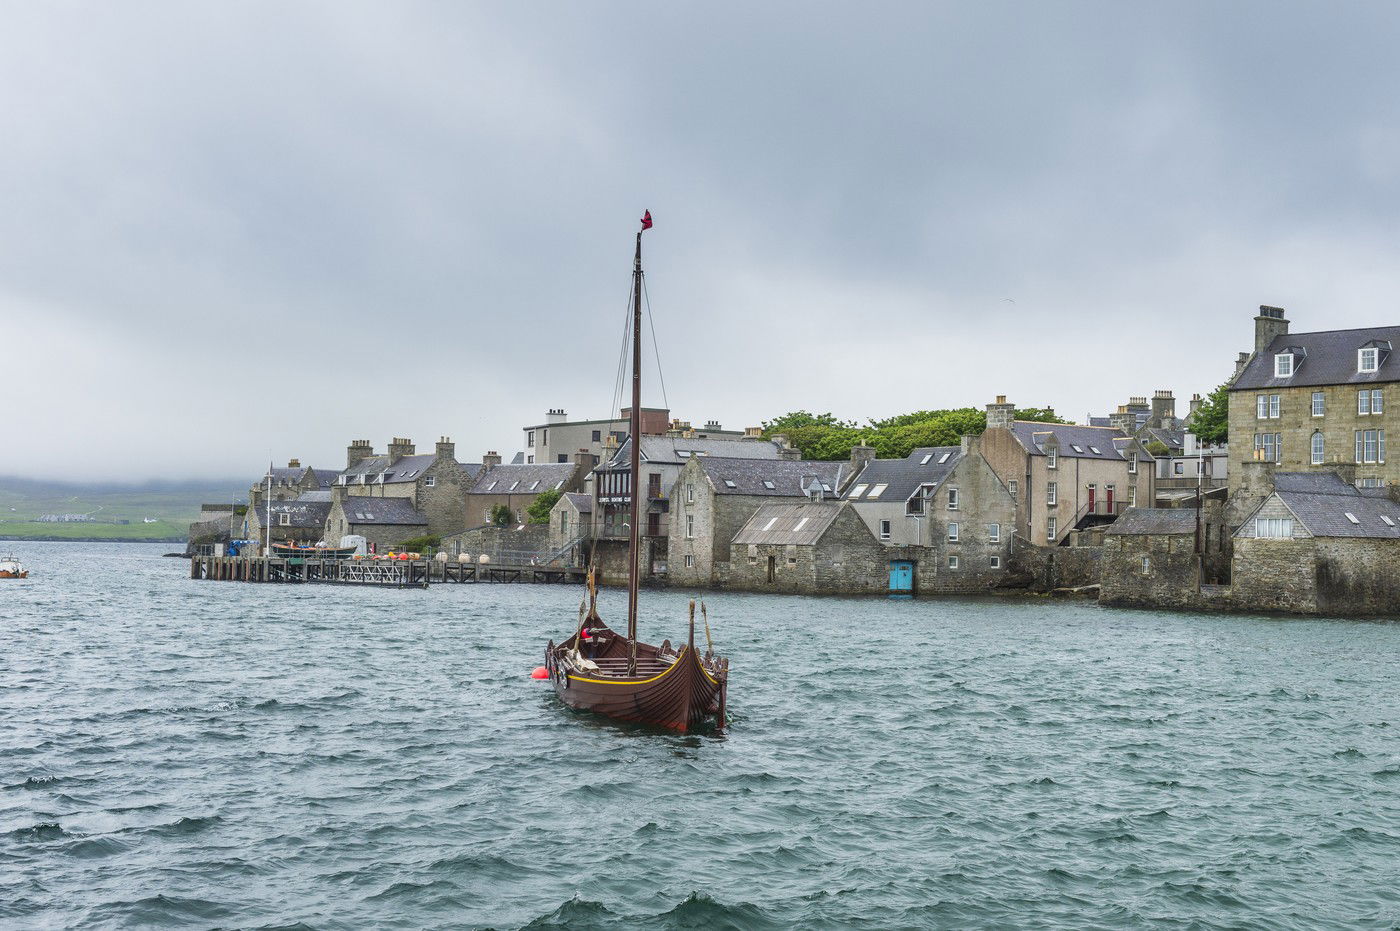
<point x="428" y="544"/>
<point x="539" y="511"/>
<point x="1211" y="424"/>
<point x="826" y="437"/>
<point x="501" y="516"/>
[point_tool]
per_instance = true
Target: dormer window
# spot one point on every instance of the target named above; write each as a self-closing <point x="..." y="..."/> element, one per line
<point x="1283" y="365"/>
<point x="1368" y="360"/>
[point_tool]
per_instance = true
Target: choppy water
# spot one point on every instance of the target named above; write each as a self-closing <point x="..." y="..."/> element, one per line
<point x="201" y="754"/>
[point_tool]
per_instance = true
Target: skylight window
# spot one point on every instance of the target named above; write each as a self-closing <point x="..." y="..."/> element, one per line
<point x="800" y="524"/>
<point x="369" y="515"/>
<point x="1388" y="521"/>
<point x="729" y="483"/>
<point x="1352" y="517"/>
<point x="943" y="458"/>
<point x="514" y="485"/>
<point x="826" y="487"/>
<point x="877" y="491"/>
<point x="1095" y="450"/>
<point x="535" y="484"/>
<point x="490" y="486"/>
<point x="771" y="522"/>
<point x="1078" y="449"/>
<point x="768" y="483"/>
<point x="857" y="491"/>
<point x="924" y="461"/>
<point x="558" y="485"/>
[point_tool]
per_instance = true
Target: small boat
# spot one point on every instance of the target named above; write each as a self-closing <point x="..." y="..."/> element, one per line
<point x="294" y="551"/>
<point x="616" y="675"/>
<point x="12" y="568"/>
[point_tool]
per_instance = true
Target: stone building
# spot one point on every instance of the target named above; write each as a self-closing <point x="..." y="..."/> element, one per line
<point x="810" y="547"/>
<point x="1065" y="476"/>
<point x="517" y="485"/>
<point x="946" y="510"/>
<point x="714" y="496"/>
<point x="1313" y="401"/>
<point x="435" y="484"/>
<point x="384" y="521"/>
<point x="301" y="520"/>
<point x="1318" y="544"/>
<point x="558" y="438"/>
<point x="1150" y="556"/>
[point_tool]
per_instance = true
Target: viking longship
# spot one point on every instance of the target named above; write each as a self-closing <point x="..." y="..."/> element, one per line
<point x="597" y="669"/>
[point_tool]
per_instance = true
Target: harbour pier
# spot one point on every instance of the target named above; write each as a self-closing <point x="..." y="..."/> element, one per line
<point x="387" y="573"/>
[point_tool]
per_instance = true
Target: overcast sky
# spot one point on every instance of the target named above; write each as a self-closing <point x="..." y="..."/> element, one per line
<point x="237" y="231"/>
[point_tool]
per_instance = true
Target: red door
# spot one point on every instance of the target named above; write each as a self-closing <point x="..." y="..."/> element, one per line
<point x="1108" y="498"/>
<point x="1093" y="491"/>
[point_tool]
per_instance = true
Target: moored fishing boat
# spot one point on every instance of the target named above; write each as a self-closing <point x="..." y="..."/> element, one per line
<point x="12" y="568"/>
<point x="293" y="551"/>
<point x="597" y="669"/>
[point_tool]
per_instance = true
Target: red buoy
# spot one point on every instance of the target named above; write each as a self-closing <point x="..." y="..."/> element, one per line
<point x="540" y="673"/>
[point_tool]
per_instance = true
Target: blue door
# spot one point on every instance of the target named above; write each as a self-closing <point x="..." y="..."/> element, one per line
<point x="901" y="577"/>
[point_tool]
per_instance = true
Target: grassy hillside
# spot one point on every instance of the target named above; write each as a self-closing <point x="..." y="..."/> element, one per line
<point x="172" y="505"/>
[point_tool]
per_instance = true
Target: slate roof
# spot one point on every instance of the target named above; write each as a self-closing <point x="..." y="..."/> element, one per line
<point x="748" y="476"/>
<point x="1330" y="360"/>
<point x="407" y="469"/>
<point x="1140" y="521"/>
<point x="315" y="496"/>
<point x="301" y="513"/>
<point x="1032" y="436"/>
<point x="676" y="450"/>
<point x="1172" y="439"/>
<point x="581" y="502"/>
<point x="904" y="476"/>
<point x="1321" y="501"/>
<point x="362" y="509"/>
<point x="799" y="524"/>
<point x="281" y="475"/>
<point x="522" y="479"/>
<point x="472" y="469"/>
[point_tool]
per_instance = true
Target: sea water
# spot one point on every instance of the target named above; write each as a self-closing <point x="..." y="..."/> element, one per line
<point x="178" y="753"/>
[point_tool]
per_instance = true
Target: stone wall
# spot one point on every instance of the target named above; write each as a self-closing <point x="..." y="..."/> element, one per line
<point x="1357" y="576"/>
<point x="1171" y="579"/>
<point x="1274" y="575"/>
<point x="502" y="544"/>
<point x="1044" y="568"/>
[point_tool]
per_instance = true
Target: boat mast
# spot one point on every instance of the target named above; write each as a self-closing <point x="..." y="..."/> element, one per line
<point x="635" y="429"/>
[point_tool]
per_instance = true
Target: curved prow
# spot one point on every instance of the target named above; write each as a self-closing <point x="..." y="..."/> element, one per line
<point x="692" y="625"/>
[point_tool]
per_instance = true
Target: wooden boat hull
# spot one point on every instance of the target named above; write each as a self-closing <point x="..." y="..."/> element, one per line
<point x="323" y="552"/>
<point x="671" y="690"/>
<point x="7" y="574"/>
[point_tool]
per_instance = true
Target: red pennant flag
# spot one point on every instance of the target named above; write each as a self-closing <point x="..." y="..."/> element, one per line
<point x="646" y="220"/>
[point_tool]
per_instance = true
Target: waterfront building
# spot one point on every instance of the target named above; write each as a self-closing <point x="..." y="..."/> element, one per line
<point x="1309" y="402"/>
<point x="808" y="547"/>
<point x="517" y="485"/>
<point x="435" y="484"/>
<point x="713" y="496"/>
<point x="1065" y="477"/>
<point x="558" y="439"/>
<point x="1150" y="556"/>
<point x="385" y="521"/>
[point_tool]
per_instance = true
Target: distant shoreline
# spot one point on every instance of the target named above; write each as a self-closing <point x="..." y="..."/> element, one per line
<point x="181" y="540"/>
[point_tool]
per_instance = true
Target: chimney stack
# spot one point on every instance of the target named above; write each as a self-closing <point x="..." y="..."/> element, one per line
<point x="1268" y="326"/>
<point x="1195" y="404"/>
<point x="357" y="451"/>
<point x="1001" y="414"/>
<point x="1123" y="419"/>
<point x="294" y="463"/>
<point x="861" y="457"/>
<point x="555" y="415"/>
<point x="753" y="433"/>
<point x="490" y="460"/>
<point x="584" y="458"/>
<point x="1163" y="409"/>
<point x="712" y="426"/>
<point x="446" y="449"/>
<point x="400" y="447"/>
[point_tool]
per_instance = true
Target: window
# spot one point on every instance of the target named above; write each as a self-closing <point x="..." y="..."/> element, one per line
<point x="1283" y="365"/>
<point x="690" y="526"/>
<point x="996" y="562"/>
<point x="430" y="481"/>
<point x="800" y="524"/>
<point x="952" y="531"/>
<point x="884" y="530"/>
<point x="918" y="501"/>
<point x="952" y="562"/>
<point x="768" y="483"/>
<point x="1273" y="528"/>
<point x="952" y="499"/>
<point x="1261" y="406"/>
<point x="771" y="521"/>
<point x="994" y="533"/>
<point x="1178" y="467"/>
<point x="876" y="492"/>
<point x="857" y="491"/>
<point x="924" y="461"/>
<point x="1352" y="517"/>
<point x="530" y="460"/>
<point x="690" y="562"/>
<point x="1095" y="450"/>
<point x="1317" y="448"/>
<point x="597" y="436"/>
<point x="1132" y="496"/>
<point x="1013" y="486"/>
<point x="1363" y="401"/>
<point x="514" y="485"/>
<point x="1368" y="360"/>
<point x="1377" y="402"/>
<point x="284" y="519"/>
<point x="1146" y="565"/>
<point x="1132" y="463"/>
<point x="1369" y="483"/>
<point x="1052" y="455"/>
<point x="1318" y="403"/>
<point x="1273" y="406"/>
<point x="1388" y="521"/>
<point x="1268" y="447"/>
<point x="729" y="483"/>
<point x="1370" y="446"/>
<point x="530" y="438"/>
<point x="1078" y="449"/>
<point x="689" y="493"/>
<point x="1051" y="525"/>
<point x="943" y="458"/>
<point x="1052" y="493"/>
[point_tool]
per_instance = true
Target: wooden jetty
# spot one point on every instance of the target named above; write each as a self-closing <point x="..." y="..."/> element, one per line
<point x="390" y="573"/>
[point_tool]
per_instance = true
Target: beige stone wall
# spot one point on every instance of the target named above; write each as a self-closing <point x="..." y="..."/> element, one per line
<point x="1338" y="425"/>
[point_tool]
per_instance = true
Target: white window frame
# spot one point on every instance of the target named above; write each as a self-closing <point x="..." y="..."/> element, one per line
<point x="1318" y="447"/>
<point x="1371" y="355"/>
<point x="996" y="562"/>
<point x="1146" y="565"/>
<point x="876" y="491"/>
<point x="952" y="499"/>
<point x="1261" y="407"/>
<point x="429" y="481"/>
<point x="284" y="519"/>
<point x="1132" y="496"/>
<point x="1363" y="401"/>
<point x="953" y="562"/>
<point x="690" y="493"/>
<point x="1014" y="487"/>
<point x="1132" y="463"/>
<point x="1273" y="528"/>
<point x="1377" y="401"/>
<point x="994" y="533"/>
<point x="953" y="531"/>
<point x="1274" y="407"/>
<point x="884" y="530"/>
<point x="857" y="491"/>
<point x="1283" y="365"/>
<point x="1319" y="403"/>
<point x="1052" y="527"/>
<point x="1052" y="494"/>
<point x="1052" y="458"/>
<point x="689" y="561"/>
<point x="690" y="526"/>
